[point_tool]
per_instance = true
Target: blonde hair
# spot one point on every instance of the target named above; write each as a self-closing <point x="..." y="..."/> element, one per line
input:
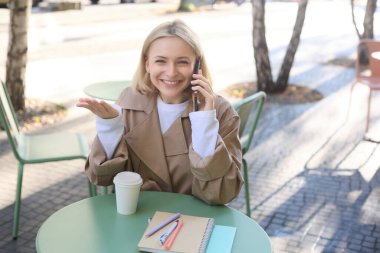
<point x="141" y="80"/>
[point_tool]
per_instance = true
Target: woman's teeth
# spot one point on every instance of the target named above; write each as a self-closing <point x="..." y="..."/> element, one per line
<point x="170" y="82"/>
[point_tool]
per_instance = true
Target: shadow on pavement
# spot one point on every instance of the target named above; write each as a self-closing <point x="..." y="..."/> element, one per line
<point x="330" y="205"/>
<point x="36" y="208"/>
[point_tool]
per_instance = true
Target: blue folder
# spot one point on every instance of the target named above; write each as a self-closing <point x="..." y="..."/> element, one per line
<point x="222" y="238"/>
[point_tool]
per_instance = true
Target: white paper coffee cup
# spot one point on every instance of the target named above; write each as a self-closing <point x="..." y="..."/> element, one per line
<point x="127" y="188"/>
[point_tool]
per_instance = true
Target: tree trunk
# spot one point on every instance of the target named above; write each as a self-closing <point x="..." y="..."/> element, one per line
<point x="368" y="19"/>
<point x="261" y="55"/>
<point x="283" y="76"/>
<point x="354" y="20"/>
<point x="367" y="28"/>
<point x="17" y="52"/>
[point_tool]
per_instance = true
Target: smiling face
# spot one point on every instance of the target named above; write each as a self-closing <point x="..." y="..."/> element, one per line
<point x="170" y="62"/>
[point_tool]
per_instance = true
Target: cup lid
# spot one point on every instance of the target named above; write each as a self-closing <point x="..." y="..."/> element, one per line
<point x="126" y="178"/>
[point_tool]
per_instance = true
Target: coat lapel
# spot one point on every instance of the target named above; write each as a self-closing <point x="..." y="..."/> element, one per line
<point x="174" y="139"/>
<point x="146" y="140"/>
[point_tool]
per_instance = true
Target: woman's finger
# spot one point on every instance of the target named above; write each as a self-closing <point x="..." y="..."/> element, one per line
<point x="208" y="98"/>
<point x="100" y="108"/>
<point x="202" y="81"/>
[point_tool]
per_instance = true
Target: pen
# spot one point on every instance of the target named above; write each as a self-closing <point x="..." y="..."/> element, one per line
<point x="168" y="232"/>
<point x="168" y="244"/>
<point x="163" y="224"/>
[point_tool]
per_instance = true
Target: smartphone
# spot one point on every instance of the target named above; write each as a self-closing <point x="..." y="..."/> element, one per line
<point x="197" y="66"/>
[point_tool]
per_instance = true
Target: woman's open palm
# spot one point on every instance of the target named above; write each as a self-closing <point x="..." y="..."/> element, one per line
<point x="100" y="108"/>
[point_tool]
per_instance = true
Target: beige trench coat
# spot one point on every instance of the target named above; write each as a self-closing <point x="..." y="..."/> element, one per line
<point x="167" y="162"/>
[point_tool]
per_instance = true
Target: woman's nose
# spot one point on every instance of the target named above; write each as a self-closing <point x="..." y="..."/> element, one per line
<point x="171" y="69"/>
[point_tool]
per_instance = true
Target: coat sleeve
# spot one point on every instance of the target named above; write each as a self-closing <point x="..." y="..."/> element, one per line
<point x="101" y="171"/>
<point x="217" y="178"/>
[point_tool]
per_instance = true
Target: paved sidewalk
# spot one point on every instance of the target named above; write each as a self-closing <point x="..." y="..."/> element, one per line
<point x="315" y="184"/>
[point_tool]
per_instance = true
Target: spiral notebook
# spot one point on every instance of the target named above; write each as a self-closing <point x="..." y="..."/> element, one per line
<point x="192" y="238"/>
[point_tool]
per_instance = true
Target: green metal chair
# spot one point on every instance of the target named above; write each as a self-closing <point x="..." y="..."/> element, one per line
<point x="37" y="148"/>
<point x="249" y="110"/>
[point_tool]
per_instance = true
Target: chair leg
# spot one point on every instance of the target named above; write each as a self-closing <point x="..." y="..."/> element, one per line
<point x="16" y="213"/>
<point x="246" y="188"/>
<point x="368" y="111"/>
<point x="91" y="189"/>
<point x="103" y="190"/>
<point x="350" y="101"/>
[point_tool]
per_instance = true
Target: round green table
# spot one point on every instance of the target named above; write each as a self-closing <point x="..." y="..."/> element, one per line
<point x="93" y="225"/>
<point x="106" y="90"/>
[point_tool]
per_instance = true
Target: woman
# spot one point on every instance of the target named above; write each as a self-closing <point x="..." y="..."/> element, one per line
<point x="153" y="130"/>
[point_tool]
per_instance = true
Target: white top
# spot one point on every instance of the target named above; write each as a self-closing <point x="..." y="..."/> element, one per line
<point x="204" y="138"/>
<point x="168" y="113"/>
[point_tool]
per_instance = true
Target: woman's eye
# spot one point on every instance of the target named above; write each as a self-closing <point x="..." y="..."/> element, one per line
<point x="184" y="62"/>
<point x="160" y="61"/>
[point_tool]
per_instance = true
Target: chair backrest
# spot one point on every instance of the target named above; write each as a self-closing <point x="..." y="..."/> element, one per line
<point x="8" y="119"/>
<point x="249" y="110"/>
<point x="374" y="64"/>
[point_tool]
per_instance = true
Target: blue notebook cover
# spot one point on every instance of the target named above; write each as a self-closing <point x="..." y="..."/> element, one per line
<point x="222" y="238"/>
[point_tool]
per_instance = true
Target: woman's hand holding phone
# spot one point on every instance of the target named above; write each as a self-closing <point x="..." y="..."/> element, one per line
<point x="205" y="94"/>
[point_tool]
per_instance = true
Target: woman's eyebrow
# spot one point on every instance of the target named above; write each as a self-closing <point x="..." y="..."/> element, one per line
<point x="178" y="59"/>
<point x="184" y="58"/>
<point x="160" y="57"/>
